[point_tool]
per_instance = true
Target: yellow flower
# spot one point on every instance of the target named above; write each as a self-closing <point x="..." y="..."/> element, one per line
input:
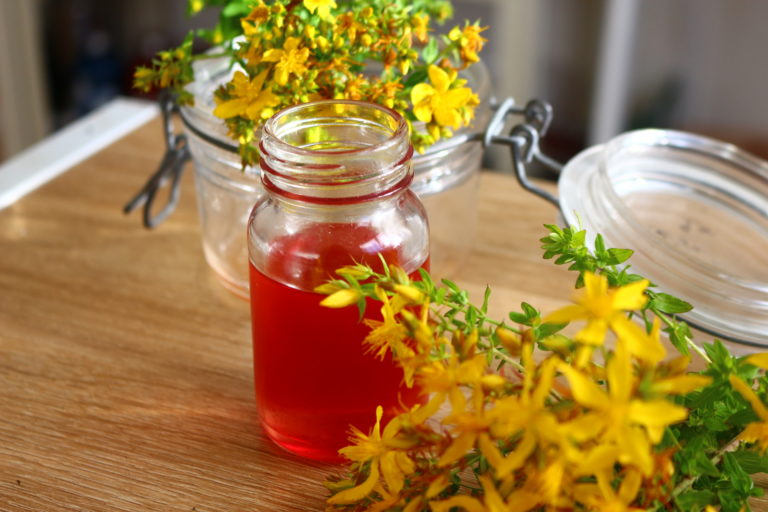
<point x="756" y="432"/>
<point x="389" y="334"/>
<point x="470" y="41"/>
<point x="438" y="101"/>
<point x="617" y="416"/>
<point x="420" y="24"/>
<point x="249" y="99"/>
<point x="347" y="25"/>
<point x="602" y="308"/>
<point x="323" y="7"/>
<point x="384" y="451"/>
<point x="603" y="497"/>
<point x="259" y="14"/>
<point x="290" y="60"/>
<point x="527" y="412"/>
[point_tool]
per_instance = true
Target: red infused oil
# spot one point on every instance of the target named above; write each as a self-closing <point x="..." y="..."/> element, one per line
<point x="313" y="377"/>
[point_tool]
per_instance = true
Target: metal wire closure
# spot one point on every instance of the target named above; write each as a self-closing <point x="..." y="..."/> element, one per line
<point x="522" y="140"/>
<point x="170" y="169"/>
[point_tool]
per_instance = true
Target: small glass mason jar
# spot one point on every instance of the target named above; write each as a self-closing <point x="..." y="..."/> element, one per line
<point x="336" y="176"/>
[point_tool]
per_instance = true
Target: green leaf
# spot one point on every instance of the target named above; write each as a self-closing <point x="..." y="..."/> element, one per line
<point x="719" y="354"/>
<point x="736" y="476"/>
<point x="702" y="464"/>
<point x="529" y="310"/>
<point x="669" y="304"/>
<point x="579" y="238"/>
<point x="694" y="500"/>
<point x="235" y="9"/>
<point x="451" y="285"/>
<point x="599" y="246"/>
<point x="617" y="256"/>
<point x="751" y="462"/>
<point x="518" y="318"/>
<point x="418" y="76"/>
<point x="545" y="330"/>
<point x="486" y="298"/>
<point x="430" y="52"/>
<point x="554" y="229"/>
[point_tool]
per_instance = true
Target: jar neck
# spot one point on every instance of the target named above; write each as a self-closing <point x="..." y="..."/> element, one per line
<point x="336" y="152"/>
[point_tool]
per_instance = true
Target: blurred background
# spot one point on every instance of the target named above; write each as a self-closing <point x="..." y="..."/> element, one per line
<point x="606" y="66"/>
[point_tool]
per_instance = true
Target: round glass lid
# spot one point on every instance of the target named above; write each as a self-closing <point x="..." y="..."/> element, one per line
<point x="694" y="210"/>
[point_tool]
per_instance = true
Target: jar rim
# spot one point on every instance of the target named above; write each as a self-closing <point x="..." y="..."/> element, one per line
<point x="269" y="128"/>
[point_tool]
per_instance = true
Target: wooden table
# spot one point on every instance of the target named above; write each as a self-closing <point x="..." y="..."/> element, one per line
<point x="125" y="367"/>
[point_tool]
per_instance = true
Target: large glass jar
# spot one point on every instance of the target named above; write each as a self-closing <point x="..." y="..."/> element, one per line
<point x="446" y="178"/>
<point x="336" y="176"/>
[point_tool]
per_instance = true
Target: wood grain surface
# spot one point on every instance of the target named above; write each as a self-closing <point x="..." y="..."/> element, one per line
<point x="125" y="367"/>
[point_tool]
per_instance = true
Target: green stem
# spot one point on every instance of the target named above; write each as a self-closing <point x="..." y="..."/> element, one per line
<point x="688" y="482"/>
<point x="688" y="341"/>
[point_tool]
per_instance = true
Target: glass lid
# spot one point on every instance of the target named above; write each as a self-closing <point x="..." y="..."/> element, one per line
<point x="694" y="210"/>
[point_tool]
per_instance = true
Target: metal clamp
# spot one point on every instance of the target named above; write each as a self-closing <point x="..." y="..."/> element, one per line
<point x="523" y="140"/>
<point x="170" y="170"/>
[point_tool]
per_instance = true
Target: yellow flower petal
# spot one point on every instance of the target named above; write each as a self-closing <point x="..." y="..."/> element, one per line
<point x="281" y="75"/>
<point x="391" y="472"/>
<point x="756" y="432"/>
<point x="492" y="498"/>
<point x="461" y="501"/>
<point x="341" y="298"/>
<point x="619" y="372"/>
<point x="656" y="413"/>
<point x="636" y="450"/>
<point x="231" y="108"/>
<point x="489" y="450"/>
<point x="273" y="55"/>
<point x="631" y="296"/>
<point x="629" y="486"/>
<point x="595" y="284"/>
<point x="517" y="457"/>
<point x="598" y="459"/>
<point x="423" y="112"/>
<point x="411" y="293"/>
<point x="680" y="384"/>
<point x="357" y="493"/>
<point x="582" y="428"/>
<point x="437" y="486"/>
<point x="291" y="43"/>
<point x="647" y="347"/>
<point x="456" y="98"/>
<point x="584" y="389"/>
<point x="447" y="117"/>
<point x="594" y="332"/>
<point x="566" y="314"/>
<point x="750" y="396"/>
<point x="458" y="448"/>
<point x="439" y="78"/>
<point x="760" y="360"/>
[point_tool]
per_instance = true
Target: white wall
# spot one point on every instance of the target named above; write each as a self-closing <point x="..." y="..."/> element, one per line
<point x="24" y="116"/>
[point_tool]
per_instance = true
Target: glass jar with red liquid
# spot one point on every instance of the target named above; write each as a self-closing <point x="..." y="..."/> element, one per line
<point x="336" y="175"/>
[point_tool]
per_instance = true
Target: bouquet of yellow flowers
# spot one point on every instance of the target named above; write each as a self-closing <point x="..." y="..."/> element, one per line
<point x="525" y="414"/>
<point x="286" y="52"/>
